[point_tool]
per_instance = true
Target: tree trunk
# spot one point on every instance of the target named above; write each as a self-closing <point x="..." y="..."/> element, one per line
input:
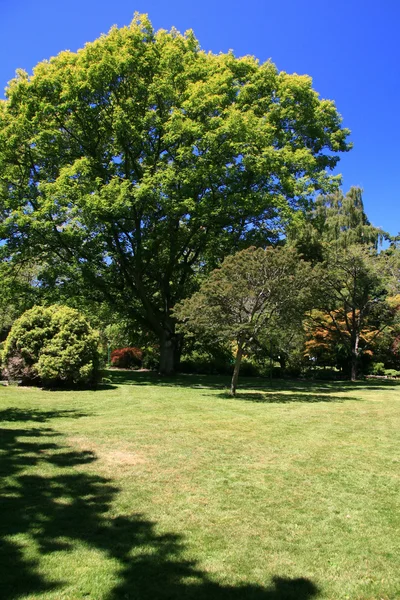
<point x="353" y="366"/>
<point x="235" y="375"/>
<point x="354" y="358"/>
<point x="170" y="351"/>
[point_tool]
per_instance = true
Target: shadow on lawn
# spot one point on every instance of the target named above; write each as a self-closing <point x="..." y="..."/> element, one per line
<point x="222" y="382"/>
<point x="281" y="398"/>
<point x="126" y="377"/>
<point x="56" y="510"/>
<point x="38" y="416"/>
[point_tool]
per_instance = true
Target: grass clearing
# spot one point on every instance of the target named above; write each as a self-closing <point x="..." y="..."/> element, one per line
<point x="154" y="488"/>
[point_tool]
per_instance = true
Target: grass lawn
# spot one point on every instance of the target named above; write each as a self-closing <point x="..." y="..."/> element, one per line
<point x="163" y="489"/>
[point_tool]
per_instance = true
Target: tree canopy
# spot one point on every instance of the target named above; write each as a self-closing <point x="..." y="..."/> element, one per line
<point x="249" y="296"/>
<point x="335" y="220"/>
<point x="18" y="292"/>
<point x="353" y="293"/>
<point x="136" y="163"/>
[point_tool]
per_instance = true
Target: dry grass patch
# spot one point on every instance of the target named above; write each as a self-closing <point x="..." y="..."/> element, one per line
<point x="120" y="457"/>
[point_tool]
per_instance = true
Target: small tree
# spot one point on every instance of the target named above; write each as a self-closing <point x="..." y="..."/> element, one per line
<point x="253" y="290"/>
<point x="353" y="299"/>
<point x="51" y="345"/>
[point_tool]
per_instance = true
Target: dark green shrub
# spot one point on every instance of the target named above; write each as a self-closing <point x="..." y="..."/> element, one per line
<point x="249" y="368"/>
<point x="151" y="358"/>
<point x="205" y="363"/>
<point x="51" y="346"/>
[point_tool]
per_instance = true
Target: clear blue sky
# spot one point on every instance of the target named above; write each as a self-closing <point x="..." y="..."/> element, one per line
<point x="349" y="47"/>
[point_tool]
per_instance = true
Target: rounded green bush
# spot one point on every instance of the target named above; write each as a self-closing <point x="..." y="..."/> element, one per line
<point x="51" y="346"/>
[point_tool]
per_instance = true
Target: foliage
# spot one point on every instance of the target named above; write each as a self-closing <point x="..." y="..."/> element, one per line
<point x="205" y="355"/>
<point x="151" y="357"/>
<point x="328" y="339"/>
<point x="51" y="345"/>
<point x="206" y="362"/>
<point x="354" y="314"/>
<point x="139" y="161"/>
<point x="117" y="335"/>
<point x="322" y="374"/>
<point x="337" y="221"/>
<point x="126" y="358"/>
<point x="352" y="301"/>
<point x="378" y="368"/>
<point x="284" y="343"/>
<point x="386" y="350"/>
<point x="254" y="291"/>
<point x="392" y="373"/>
<point x="18" y="292"/>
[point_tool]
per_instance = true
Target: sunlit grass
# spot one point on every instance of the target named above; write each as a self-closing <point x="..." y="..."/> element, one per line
<point x="154" y="488"/>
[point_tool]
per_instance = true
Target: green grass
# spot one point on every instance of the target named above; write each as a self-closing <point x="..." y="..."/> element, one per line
<point x="162" y="489"/>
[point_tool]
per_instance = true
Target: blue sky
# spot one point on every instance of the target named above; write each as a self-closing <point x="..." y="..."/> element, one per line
<point x="349" y="47"/>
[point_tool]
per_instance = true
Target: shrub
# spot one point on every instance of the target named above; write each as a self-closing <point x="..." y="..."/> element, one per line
<point x="205" y="363"/>
<point x="151" y="358"/>
<point x="249" y="368"/>
<point x="127" y="358"/>
<point x="392" y="373"/>
<point x="51" y="346"/>
<point x="378" y="369"/>
<point x="16" y="370"/>
<point x="320" y="374"/>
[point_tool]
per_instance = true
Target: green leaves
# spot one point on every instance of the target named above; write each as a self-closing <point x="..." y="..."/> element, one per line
<point x="336" y="221"/>
<point x="251" y="292"/>
<point x="51" y="345"/>
<point x="141" y="161"/>
<point x="352" y="291"/>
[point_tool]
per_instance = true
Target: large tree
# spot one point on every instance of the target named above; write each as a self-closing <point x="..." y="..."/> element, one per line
<point x="140" y="160"/>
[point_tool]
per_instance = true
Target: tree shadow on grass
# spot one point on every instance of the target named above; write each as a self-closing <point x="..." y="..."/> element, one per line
<point x="222" y="382"/>
<point x="143" y="378"/>
<point x="49" y="503"/>
<point x="14" y="414"/>
<point x="326" y="387"/>
<point x="283" y="398"/>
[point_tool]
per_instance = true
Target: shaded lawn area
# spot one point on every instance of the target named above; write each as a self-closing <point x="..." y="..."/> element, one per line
<point x="152" y="488"/>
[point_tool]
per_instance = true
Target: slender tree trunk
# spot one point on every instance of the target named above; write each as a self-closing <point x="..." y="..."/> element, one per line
<point x="353" y="366"/>
<point x="235" y="375"/>
<point x="354" y="358"/>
